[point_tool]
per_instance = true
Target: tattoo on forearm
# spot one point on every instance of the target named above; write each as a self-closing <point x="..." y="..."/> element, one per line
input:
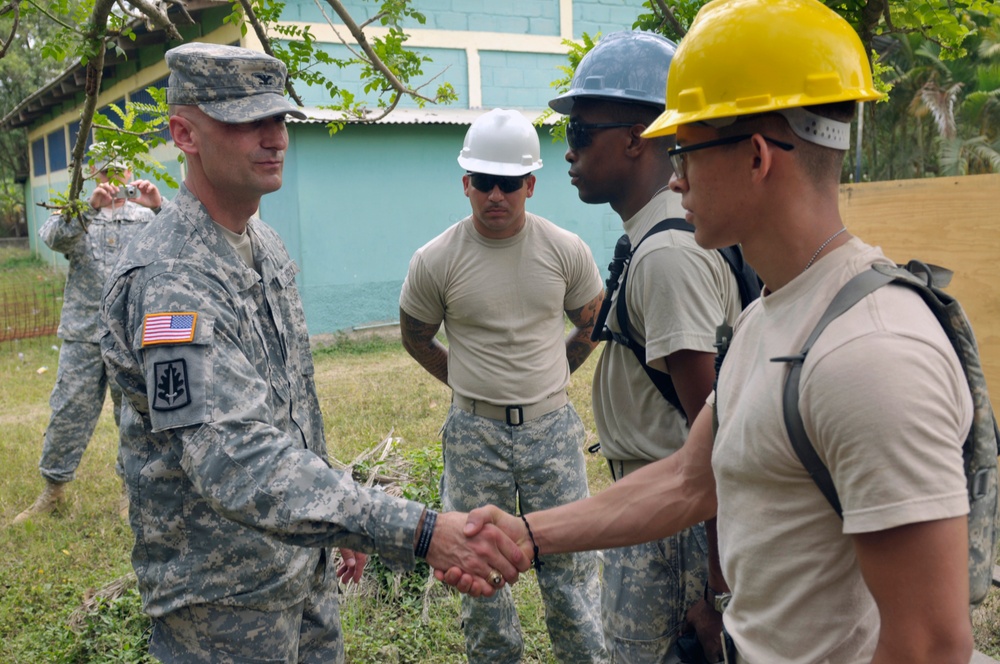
<point x="578" y="343"/>
<point x="420" y="342"/>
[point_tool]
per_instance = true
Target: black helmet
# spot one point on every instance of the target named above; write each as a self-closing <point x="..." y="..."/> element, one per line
<point x="628" y="66"/>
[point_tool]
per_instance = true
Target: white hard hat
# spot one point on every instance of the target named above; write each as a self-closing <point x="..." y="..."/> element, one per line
<point x="501" y="143"/>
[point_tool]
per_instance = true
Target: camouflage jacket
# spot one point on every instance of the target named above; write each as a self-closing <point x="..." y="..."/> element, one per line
<point x="221" y="434"/>
<point x="91" y="255"/>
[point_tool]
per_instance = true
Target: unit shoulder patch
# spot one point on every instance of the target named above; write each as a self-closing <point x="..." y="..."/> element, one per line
<point x="171" y="391"/>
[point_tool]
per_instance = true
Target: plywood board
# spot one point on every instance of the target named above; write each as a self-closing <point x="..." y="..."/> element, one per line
<point x="951" y="222"/>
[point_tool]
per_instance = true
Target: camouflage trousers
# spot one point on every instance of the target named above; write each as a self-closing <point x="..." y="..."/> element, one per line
<point x="648" y="588"/>
<point x="306" y="633"/>
<point x="538" y="465"/>
<point x="76" y="402"/>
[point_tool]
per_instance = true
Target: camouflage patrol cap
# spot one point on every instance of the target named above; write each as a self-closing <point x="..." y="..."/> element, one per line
<point x="228" y="83"/>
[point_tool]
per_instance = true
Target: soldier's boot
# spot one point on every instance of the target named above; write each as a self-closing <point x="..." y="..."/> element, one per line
<point x="47" y="502"/>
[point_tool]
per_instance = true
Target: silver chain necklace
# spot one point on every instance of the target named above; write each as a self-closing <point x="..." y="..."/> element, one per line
<point x="666" y="186"/>
<point x="822" y="247"/>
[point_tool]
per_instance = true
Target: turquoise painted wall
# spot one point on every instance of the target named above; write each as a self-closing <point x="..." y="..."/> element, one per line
<point x="510" y="79"/>
<point x="536" y="17"/>
<point x="593" y="16"/>
<point x="356" y="206"/>
<point x="450" y="61"/>
<point x="519" y="80"/>
<point x="369" y="197"/>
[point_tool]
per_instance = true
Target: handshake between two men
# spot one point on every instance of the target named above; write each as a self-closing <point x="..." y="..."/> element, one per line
<point x="497" y="547"/>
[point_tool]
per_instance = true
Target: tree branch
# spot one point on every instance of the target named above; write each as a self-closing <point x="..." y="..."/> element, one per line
<point x="186" y="17"/>
<point x="669" y="17"/>
<point x="362" y="40"/>
<point x="119" y="130"/>
<point x="265" y="43"/>
<point x="371" y="56"/>
<point x="157" y="18"/>
<point x="16" y="8"/>
<point x="54" y="18"/>
<point x="387" y="110"/>
<point x="376" y="17"/>
<point x="95" y="71"/>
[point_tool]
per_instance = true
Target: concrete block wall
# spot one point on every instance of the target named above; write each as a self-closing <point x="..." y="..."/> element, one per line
<point x="492" y="53"/>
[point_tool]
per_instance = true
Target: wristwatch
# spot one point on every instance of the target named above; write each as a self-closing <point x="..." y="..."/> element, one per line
<point x="718" y="600"/>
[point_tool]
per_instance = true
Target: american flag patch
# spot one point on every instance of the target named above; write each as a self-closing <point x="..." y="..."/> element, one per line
<point x="168" y="328"/>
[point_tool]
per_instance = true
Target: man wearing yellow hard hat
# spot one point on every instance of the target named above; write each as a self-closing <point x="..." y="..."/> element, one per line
<point x="760" y="95"/>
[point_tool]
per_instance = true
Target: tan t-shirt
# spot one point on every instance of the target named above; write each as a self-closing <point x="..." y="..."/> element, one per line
<point x="886" y="405"/>
<point x="678" y="293"/>
<point x="502" y="303"/>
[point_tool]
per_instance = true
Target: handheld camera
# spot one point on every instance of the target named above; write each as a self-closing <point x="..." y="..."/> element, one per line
<point x="127" y="192"/>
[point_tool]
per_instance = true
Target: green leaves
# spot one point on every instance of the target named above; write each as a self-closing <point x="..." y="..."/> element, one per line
<point x="388" y="69"/>
<point x="138" y="129"/>
<point x="574" y="54"/>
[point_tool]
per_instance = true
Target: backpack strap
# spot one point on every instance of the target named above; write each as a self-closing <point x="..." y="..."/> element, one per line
<point x="746" y="279"/>
<point x="852" y="292"/>
<point x="661" y="380"/>
<point x="623" y="253"/>
<point x="982" y="444"/>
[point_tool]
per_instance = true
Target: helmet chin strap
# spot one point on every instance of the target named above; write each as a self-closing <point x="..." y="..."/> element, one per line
<point x="817" y="129"/>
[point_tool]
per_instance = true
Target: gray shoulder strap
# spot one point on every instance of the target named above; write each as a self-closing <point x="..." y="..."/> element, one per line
<point x="852" y="292"/>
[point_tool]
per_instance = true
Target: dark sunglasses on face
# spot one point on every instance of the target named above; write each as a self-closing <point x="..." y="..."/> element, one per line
<point x="679" y="161"/>
<point x="578" y="134"/>
<point x="485" y="182"/>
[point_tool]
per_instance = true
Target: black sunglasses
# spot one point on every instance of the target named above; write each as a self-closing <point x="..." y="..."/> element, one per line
<point x="485" y="182"/>
<point x="679" y="163"/>
<point x="578" y="134"/>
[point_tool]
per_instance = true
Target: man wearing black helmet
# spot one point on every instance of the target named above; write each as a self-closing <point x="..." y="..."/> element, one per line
<point x="676" y="293"/>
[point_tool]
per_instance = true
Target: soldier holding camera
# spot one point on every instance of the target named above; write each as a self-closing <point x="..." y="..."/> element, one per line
<point x="119" y="208"/>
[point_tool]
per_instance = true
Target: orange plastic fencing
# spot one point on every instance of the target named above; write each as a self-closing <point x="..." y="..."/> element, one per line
<point x="30" y="308"/>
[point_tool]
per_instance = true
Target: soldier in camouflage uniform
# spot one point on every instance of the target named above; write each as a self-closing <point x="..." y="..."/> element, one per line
<point x="91" y="244"/>
<point x="233" y="502"/>
<point x="676" y="294"/>
<point x="500" y="281"/>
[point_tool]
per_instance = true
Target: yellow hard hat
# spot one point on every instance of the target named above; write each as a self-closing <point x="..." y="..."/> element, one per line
<point x="742" y="57"/>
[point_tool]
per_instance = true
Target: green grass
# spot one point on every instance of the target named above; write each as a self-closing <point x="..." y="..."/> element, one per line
<point x="50" y="566"/>
<point x="369" y="389"/>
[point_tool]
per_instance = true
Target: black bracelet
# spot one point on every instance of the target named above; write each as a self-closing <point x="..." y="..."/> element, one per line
<point x="426" y="532"/>
<point x="536" y="563"/>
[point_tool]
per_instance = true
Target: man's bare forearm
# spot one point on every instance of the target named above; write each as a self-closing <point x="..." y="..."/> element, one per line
<point x="578" y="343"/>
<point x="653" y="502"/>
<point x="420" y="341"/>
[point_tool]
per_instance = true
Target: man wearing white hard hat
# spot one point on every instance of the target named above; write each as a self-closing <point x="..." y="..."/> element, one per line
<point x="500" y="281"/>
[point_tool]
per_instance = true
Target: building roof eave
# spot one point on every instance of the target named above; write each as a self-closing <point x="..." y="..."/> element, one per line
<point x="73" y="79"/>
<point x="435" y="115"/>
